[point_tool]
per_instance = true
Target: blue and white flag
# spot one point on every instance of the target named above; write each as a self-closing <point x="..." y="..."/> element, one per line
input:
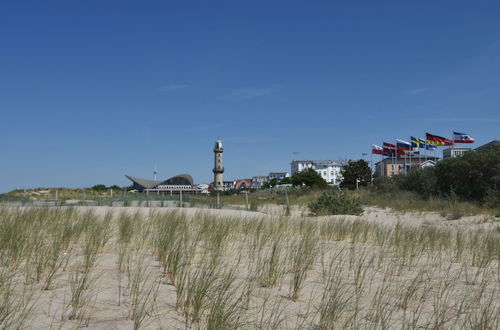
<point x="462" y="138"/>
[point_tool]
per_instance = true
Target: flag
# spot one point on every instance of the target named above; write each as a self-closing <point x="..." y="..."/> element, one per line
<point x="417" y="142"/>
<point x="391" y="152"/>
<point x="403" y="145"/>
<point x="389" y="145"/>
<point x="462" y="138"/>
<point x="437" y="140"/>
<point x="430" y="147"/>
<point x="377" y="150"/>
<point x="389" y="149"/>
<point x="388" y="152"/>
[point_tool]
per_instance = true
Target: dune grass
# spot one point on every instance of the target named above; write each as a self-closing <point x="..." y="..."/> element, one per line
<point x="202" y="271"/>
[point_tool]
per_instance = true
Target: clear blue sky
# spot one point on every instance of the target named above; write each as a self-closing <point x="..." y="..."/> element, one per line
<point x="93" y="90"/>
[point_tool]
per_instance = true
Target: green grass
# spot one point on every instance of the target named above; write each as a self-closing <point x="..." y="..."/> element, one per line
<point x="407" y="201"/>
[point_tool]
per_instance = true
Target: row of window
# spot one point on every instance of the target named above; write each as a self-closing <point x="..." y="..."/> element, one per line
<point x="173" y="187"/>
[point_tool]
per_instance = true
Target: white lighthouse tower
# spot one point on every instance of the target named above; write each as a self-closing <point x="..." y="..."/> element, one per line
<point x="218" y="166"/>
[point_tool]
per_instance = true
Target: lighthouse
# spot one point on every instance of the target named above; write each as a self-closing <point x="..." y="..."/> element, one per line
<point x="218" y="166"/>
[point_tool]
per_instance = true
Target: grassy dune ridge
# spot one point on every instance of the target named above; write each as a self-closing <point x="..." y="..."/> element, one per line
<point x="167" y="268"/>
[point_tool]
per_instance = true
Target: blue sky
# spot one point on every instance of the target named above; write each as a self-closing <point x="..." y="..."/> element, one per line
<point x="93" y="90"/>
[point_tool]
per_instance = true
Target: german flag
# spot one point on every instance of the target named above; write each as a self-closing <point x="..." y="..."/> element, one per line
<point x="437" y="140"/>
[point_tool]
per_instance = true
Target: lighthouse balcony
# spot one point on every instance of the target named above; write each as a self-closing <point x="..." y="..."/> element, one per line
<point x="218" y="170"/>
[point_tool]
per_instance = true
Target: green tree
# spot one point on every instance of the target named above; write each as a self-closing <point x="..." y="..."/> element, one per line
<point x="286" y="181"/>
<point x="270" y="184"/>
<point x="308" y="177"/>
<point x="356" y="170"/>
<point x="99" y="187"/>
<point x="474" y="176"/>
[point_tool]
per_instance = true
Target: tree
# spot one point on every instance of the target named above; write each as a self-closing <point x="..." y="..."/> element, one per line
<point x="286" y="181"/>
<point x="353" y="171"/>
<point x="308" y="177"/>
<point x="475" y="176"/>
<point x="99" y="187"/>
<point x="270" y="184"/>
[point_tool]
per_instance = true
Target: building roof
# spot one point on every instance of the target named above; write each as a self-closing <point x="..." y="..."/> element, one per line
<point x="491" y="144"/>
<point x="423" y="162"/>
<point x="243" y="183"/>
<point x="321" y="162"/>
<point x="149" y="184"/>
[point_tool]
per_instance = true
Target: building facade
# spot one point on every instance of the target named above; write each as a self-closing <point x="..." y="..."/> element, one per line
<point x="454" y="152"/>
<point x="278" y="176"/>
<point x="182" y="183"/>
<point x="328" y="169"/>
<point x="393" y="166"/>
<point x="258" y="181"/>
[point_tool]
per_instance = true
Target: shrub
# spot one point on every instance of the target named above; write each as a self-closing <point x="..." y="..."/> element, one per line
<point x="474" y="177"/>
<point x="423" y="182"/>
<point x="455" y="215"/>
<point x="335" y="202"/>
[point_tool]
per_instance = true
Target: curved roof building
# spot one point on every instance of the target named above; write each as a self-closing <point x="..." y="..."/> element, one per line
<point x="175" y="183"/>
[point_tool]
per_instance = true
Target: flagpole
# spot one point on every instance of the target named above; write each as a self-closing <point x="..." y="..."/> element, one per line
<point x="419" y="153"/>
<point x="396" y="154"/>
<point x="393" y="158"/>
<point x="404" y="153"/>
<point x="426" y="146"/>
<point x="382" y="164"/>
<point x="371" y="166"/>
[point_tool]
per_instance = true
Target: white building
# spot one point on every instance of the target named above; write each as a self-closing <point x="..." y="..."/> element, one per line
<point x="454" y="152"/>
<point x="258" y="181"/>
<point x="278" y="176"/>
<point x="328" y="169"/>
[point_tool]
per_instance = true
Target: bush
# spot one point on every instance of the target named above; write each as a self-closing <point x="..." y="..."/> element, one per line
<point x="474" y="177"/>
<point x="455" y="215"/>
<point x="423" y="182"/>
<point x="335" y="202"/>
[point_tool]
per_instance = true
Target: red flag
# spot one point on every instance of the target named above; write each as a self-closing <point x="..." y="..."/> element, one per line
<point x="389" y="145"/>
<point x="437" y="140"/>
<point x="377" y="150"/>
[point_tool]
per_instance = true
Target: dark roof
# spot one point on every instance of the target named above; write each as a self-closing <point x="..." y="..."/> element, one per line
<point x="489" y="145"/>
<point x="149" y="184"/>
